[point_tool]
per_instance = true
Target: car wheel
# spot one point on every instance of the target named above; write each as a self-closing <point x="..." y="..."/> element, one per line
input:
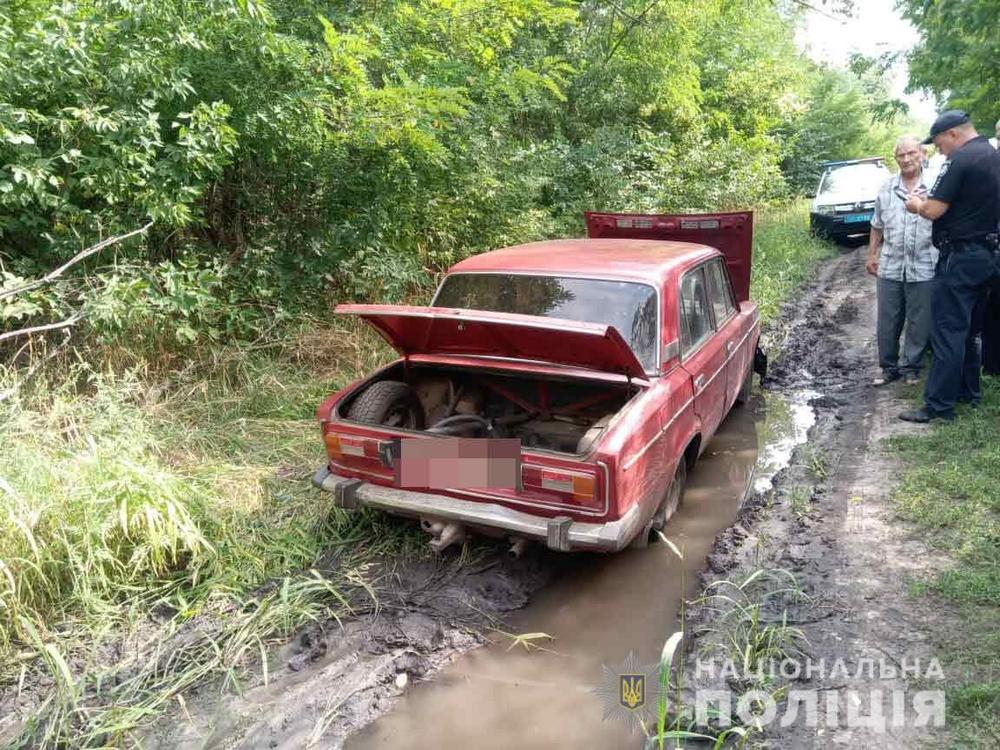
<point x="668" y="506"/>
<point x="747" y="388"/>
<point x="389" y="403"/>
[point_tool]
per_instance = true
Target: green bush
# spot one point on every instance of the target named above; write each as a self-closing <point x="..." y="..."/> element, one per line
<point x="290" y="151"/>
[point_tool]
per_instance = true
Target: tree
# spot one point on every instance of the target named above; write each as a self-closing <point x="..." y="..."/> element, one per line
<point x="292" y="149"/>
<point x="958" y="56"/>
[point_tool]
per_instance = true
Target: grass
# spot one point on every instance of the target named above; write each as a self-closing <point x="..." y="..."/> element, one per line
<point x="949" y="489"/>
<point x="164" y="509"/>
<point x="785" y="255"/>
<point x="741" y="634"/>
<point x="815" y="461"/>
<point x="800" y="497"/>
<point x="119" y="498"/>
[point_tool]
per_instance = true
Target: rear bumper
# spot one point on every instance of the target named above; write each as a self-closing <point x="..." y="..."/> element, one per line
<point x="561" y="533"/>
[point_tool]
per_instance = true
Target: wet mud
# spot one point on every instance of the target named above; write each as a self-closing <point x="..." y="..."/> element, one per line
<point x="335" y="677"/>
<point x="438" y="663"/>
<point x="829" y="521"/>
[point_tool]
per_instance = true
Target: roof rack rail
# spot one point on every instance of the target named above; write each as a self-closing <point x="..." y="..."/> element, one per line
<point x="868" y="160"/>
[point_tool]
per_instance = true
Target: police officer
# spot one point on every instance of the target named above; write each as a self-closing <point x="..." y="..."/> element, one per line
<point x="964" y="205"/>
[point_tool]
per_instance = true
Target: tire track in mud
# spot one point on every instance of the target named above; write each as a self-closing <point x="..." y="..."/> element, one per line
<point x="851" y="560"/>
<point x="829" y="521"/>
<point x="335" y="677"/>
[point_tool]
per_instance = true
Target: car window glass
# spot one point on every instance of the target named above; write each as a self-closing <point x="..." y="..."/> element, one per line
<point x="629" y="306"/>
<point x="696" y="320"/>
<point x="851" y="179"/>
<point x="719" y="292"/>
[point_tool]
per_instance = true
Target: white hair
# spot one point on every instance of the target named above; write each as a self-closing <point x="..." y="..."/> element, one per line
<point x="906" y="140"/>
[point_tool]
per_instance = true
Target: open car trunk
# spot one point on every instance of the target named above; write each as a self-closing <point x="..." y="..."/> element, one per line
<point x="564" y="415"/>
<point x="512" y="336"/>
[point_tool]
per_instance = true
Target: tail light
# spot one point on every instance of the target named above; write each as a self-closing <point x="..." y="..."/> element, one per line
<point x="339" y="447"/>
<point x="579" y="487"/>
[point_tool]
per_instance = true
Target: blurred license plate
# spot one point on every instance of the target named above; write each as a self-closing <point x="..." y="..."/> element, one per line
<point x="852" y="218"/>
<point x="451" y="463"/>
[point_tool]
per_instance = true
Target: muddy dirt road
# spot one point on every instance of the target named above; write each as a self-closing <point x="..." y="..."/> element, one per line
<point x="410" y="675"/>
<point x="597" y="613"/>
<point x="831" y="524"/>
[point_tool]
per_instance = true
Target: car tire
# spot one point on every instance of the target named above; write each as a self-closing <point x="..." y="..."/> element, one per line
<point x="668" y="506"/>
<point x="743" y="395"/>
<point x="389" y="403"/>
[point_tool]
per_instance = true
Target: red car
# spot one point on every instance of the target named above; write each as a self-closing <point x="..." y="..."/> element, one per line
<point x="609" y="361"/>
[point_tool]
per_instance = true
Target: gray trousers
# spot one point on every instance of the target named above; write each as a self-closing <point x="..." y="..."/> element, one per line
<point x="902" y="302"/>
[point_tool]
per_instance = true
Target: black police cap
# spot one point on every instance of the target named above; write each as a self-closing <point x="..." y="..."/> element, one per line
<point x="947" y="120"/>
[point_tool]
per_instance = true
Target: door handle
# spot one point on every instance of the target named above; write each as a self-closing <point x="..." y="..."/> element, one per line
<point x="729" y="347"/>
<point x="699" y="382"/>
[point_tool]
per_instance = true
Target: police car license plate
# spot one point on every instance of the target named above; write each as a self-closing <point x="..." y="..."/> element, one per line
<point x="853" y="218"/>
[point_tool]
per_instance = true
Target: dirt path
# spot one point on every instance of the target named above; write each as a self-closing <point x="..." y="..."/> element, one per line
<point x="826" y="518"/>
<point x="333" y="680"/>
<point x="831" y="523"/>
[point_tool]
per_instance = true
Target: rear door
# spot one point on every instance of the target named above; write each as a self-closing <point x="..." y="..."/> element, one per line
<point x="729" y="233"/>
<point x="702" y="354"/>
<point x="728" y="328"/>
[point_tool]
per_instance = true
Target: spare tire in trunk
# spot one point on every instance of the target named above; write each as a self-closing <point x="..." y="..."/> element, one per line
<point x="390" y="403"/>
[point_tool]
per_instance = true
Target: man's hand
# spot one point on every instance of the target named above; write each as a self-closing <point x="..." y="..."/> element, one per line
<point x="875" y="238"/>
<point x="913" y="203"/>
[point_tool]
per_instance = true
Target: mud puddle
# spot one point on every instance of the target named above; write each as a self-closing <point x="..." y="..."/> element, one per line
<point x="597" y="612"/>
<point x="786" y="424"/>
<point x="830" y="523"/>
<point x="416" y="660"/>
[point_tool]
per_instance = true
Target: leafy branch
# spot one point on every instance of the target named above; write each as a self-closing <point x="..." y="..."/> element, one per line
<point x="55" y="274"/>
<point x="80" y="256"/>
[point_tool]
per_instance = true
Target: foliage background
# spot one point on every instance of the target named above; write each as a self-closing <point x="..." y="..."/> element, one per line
<point x="294" y="153"/>
<point x="958" y="57"/>
<point x="297" y="152"/>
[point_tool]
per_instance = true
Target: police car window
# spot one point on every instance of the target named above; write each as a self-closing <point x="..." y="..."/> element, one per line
<point x="852" y="178"/>
<point x="696" y="319"/>
<point x="719" y="292"/>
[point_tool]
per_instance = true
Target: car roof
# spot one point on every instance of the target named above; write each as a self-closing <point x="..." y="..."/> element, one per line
<point x="860" y="166"/>
<point x="624" y="259"/>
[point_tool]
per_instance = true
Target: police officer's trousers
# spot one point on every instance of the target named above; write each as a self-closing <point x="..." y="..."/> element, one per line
<point x="960" y="282"/>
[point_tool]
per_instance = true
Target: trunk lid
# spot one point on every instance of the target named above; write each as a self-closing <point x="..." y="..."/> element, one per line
<point x="729" y="233"/>
<point x="440" y="330"/>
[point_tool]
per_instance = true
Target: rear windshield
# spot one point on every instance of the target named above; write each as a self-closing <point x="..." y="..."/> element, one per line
<point x="863" y="178"/>
<point x="628" y="306"/>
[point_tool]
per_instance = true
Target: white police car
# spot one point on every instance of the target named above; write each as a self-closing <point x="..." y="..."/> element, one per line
<point x="845" y="199"/>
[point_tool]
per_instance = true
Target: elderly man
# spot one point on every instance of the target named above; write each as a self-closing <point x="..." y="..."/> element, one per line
<point x="964" y="205"/>
<point x="903" y="258"/>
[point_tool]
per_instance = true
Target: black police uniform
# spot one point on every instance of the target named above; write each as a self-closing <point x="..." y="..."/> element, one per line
<point x="966" y="236"/>
<point x="990" y="325"/>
